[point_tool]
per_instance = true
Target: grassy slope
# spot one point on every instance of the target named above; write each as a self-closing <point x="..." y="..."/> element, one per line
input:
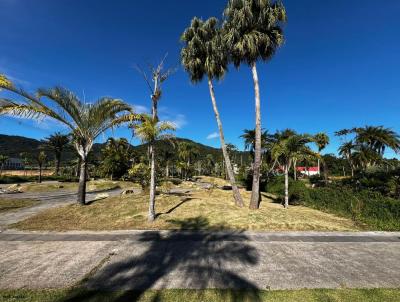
<point x="8" y="205"/>
<point x="200" y="209"/>
<point x="320" y="295"/>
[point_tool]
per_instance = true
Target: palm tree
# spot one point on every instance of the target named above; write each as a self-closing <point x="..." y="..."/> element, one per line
<point x="3" y="160"/>
<point x="85" y="120"/>
<point x="41" y="160"/>
<point x="204" y="54"/>
<point x="252" y="31"/>
<point x="285" y="150"/>
<point x="158" y="76"/>
<point x="346" y="151"/>
<point x="368" y="145"/>
<point x="149" y="130"/>
<point x="187" y="152"/>
<point x="168" y="155"/>
<point x="116" y="157"/>
<point x="321" y="140"/>
<point x="377" y="138"/>
<point x="57" y="142"/>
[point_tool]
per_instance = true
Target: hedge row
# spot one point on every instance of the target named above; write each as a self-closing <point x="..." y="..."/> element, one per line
<point x="368" y="207"/>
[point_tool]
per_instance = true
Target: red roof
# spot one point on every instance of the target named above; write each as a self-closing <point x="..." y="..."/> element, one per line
<point x="310" y="169"/>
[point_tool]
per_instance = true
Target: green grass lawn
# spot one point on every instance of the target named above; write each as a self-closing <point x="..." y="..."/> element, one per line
<point x="200" y="209"/>
<point x="317" y="295"/>
<point x="8" y="205"/>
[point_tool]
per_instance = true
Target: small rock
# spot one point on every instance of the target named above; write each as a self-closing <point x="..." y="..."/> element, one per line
<point x="13" y="187"/>
<point x="128" y="192"/>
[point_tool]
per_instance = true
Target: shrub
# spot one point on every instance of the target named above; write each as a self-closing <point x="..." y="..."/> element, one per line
<point x="368" y="207"/>
<point x="298" y="191"/>
<point x="365" y="206"/>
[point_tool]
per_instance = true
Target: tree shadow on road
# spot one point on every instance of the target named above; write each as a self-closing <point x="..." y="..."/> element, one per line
<point x="178" y="259"/>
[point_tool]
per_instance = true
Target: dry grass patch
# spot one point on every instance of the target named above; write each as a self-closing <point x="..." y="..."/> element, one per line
<point x="96" y="185"/>
<point x="200" y="209"/>
<point x="8" y="205"/>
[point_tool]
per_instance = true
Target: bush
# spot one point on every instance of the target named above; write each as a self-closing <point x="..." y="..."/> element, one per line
<point x="297" y="189"/>
<point x="371" y="208"/>
<point x="365" y="206"/>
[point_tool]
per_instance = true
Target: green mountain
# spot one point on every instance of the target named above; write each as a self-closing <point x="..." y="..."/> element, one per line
<point x="13" y="146"/>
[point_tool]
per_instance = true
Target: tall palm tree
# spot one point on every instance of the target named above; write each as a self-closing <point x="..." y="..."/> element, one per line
<point x="85" y="120"/>
<point x="285" y="150"/>
<point x="57" y="142"/>
<point x="321" y="140"/>
<point x="204" y="54"/>
<point x="252" y="32"/>
<point x="149" y="130"/>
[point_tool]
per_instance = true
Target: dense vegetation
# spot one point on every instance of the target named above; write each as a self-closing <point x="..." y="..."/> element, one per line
<point x="363" y="204"/>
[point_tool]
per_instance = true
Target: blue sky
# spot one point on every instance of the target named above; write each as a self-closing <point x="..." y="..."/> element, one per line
<point x="339" y="67"/>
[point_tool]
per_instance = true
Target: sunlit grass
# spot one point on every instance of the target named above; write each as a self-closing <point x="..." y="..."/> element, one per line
<point x="214" y="295"/>
<point x="214" y="206"/>
<point x="95" y="185"/>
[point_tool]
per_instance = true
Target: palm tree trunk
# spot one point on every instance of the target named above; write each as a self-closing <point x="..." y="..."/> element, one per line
<point x="167" y="170"/>
<point x="58" y="163"/>
<point x="255" y="192"/>
<point x="319" y="167"/>
<point x="286" y="187"/>
<point x="294" y="170"/>
<point x="325" y="171"/>
<point x="231" y="175"/>
<point x="152" y="213"/>
<point x="40" y="174"/>
<point x="82" y="182"/>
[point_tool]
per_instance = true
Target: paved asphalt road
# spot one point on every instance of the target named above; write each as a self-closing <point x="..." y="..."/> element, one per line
<point x="151" y="259"/>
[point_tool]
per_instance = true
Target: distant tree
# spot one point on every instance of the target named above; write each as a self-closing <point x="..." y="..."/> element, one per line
<point x="368" y="145"/>
<point x="3" y="160"/>
<point x="57" y="142"/>
<point x="116" y="158"/>
<point x="85" y="120"/>
<point x="209" y="163"/>
<point x="252" y="32"/>
<point x="285" y="150"/>
<point x="25" y="159"/>
<point x="149" y="130"/>
<point x="167" y="156"/>
<point x="321" y="140"/>
<point x="346" y="151"/>
<point x="204" y="54"/>
<point x="141" y="173"/>
<point x="187" y="153"/>
<point x="41" y="160"/>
